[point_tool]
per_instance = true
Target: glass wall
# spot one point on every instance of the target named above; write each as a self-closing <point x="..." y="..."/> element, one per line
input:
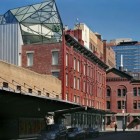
<point x="39" y="23"/>
<point x="131" y="57"/>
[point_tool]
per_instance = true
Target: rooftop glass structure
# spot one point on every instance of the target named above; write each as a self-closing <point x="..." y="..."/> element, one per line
<point x="39" y="23"/>
<point x="131" y="56"/>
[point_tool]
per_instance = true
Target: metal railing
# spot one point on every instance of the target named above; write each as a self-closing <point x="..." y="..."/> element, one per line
<point x="24" y="89"/>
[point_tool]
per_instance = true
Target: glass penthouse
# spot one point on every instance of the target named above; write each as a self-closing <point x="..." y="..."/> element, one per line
<point x="33" y="24"/>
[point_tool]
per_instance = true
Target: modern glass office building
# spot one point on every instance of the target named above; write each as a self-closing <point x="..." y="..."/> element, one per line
<point x="130" y="52"/>
<point x="32" y="24"/>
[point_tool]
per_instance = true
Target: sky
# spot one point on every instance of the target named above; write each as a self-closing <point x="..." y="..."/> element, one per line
<point x="110" y="18"/>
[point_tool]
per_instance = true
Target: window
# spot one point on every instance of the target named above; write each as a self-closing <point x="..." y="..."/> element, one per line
<point x="84" y="69"/>
<point x="91" y="72"/>
<point x="119" y="104"/>
<point x="47" y="94"/>
<point x="97" y="105"/>
<point x="78" y="83"/>
<point x="92" y="103"/>
<point x="108" y="120"/>
<point x="91" y="89"/>
<point x="82" y="101"/>
<point x="57" y="96"/>
<point x="66" y="60"/>
<point x="5" y="84"/>
<point x="113" y="118"/>
<point x="30" y="90"/>
<point x="101" y="78"/>
<point x="55" y="58"/>
<point x="139" y="91"/>
<point x="87" y="87"/>
<point x="138" y="104"/>
<point x="55" y="73"/>
<point x="74" y="64"/>
<point x="84" y="86"/>
<point x="66" y="96"/>
<point x="135" y="91"/>
<point x="123" y="104"/>
<point x="78" y="99"/>
<point x="124" y="92"/>
<point x="119" y="92"/>
<point x="88" y="70"/>
<point x="78" y="65"/>
<point x="108" y="92"/>
<point x="108" y="104"/>
<point x="89" y="102"/>
<point x="74" y="98"/>
<point x="66" y="79"/>
<point x="18" y="88"/>
<point x="135" y="105"/>
<point x="29" y="59"/>
<point x="85" y="101"/>
<point x="74" y="86"/>
<point x="39" y="92"/>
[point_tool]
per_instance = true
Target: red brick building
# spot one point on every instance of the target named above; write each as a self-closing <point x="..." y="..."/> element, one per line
<point x="122" y="97"/>
<point x="82" y="73"/>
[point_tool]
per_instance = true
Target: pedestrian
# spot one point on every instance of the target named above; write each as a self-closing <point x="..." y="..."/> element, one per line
<point x="115" y="127"/>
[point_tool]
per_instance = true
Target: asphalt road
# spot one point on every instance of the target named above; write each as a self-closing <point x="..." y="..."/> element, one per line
<point x="128" y="135"/>
<point x="120" y="136"/>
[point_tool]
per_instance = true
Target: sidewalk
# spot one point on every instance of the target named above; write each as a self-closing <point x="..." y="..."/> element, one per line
<point x="113" y="129"/>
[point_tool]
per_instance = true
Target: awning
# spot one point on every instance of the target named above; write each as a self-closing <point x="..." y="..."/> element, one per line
<point x="28" y="105"/>
<point x="134" y="123"/>
<point x="82" y="109"/>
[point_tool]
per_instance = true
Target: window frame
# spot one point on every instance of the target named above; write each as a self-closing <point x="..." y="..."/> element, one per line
<point x="57" y="60"/>
<point x="30" y="58"/>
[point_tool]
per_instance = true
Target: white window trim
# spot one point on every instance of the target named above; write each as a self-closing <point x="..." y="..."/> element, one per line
<point x="28" y="61"/>
<point x="57" y="59"/>
<point x="58" y="70"/>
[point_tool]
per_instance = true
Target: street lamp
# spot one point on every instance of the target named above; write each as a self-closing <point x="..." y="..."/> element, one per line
<point x="124" y="110"/>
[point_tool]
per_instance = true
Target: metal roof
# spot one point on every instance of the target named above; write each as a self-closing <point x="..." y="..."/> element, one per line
<point x="27" y="105"/>
<point x="39" y="23"/>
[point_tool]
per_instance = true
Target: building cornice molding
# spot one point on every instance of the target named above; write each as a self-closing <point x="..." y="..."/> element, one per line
<point x="87" y="53"/>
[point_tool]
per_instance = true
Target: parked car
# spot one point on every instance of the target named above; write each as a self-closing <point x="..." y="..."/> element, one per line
<point x="91" y="132"/>
<point x="76" y="133"/>
<point x="53" y="132"/>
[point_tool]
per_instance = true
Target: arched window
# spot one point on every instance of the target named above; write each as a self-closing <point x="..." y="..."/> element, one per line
<point x="135" y="91"/>
<point x="124" y="92"/>
<point x="108" y="92"/>
<point x="119" y="92"/>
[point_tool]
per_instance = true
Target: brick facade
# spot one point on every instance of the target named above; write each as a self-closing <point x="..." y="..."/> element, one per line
<point x="42" y="57"/>
<point x="91" y="91"/>
<point x="123" y="94"/>
<point x="90" y="85"/>
<point x="26" y="81"/>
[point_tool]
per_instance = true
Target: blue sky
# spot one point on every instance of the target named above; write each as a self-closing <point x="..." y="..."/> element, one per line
<point x="111" y="18"/>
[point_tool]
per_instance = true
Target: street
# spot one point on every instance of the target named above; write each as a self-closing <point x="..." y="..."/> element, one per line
<point x="120" y="136"/>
